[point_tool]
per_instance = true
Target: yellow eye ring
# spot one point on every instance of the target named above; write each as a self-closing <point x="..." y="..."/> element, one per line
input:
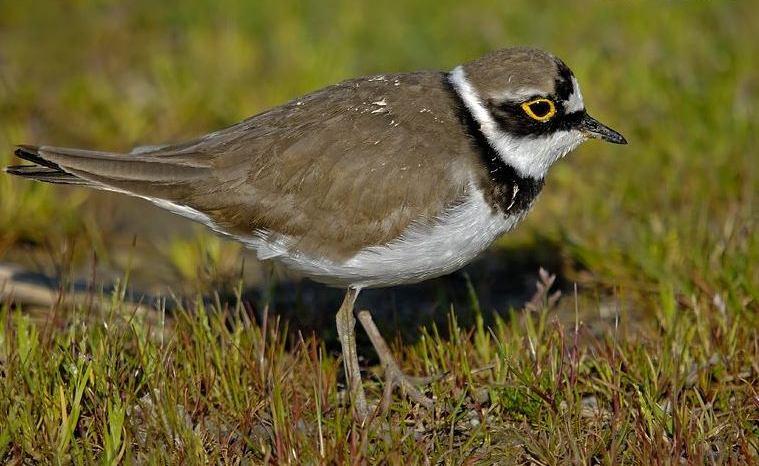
<point x="539" y="109"/>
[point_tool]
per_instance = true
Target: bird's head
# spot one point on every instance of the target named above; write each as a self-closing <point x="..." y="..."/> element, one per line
<point x="529" y="107"/>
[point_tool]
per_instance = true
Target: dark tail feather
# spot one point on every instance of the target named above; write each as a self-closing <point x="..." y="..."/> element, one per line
<point x="44" y="170"/>
<point x="167" y="176"/>
<point x="48" y="175"/>
<point x="31" y="154"/>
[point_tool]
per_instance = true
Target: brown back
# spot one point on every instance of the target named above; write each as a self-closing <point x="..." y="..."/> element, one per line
<point x="349" y="166"/>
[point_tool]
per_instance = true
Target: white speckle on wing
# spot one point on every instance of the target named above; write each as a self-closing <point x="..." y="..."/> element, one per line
<point x="377" y="78"/>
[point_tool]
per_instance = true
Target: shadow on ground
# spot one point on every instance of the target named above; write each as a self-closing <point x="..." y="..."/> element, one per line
<point x="500" y="280"/>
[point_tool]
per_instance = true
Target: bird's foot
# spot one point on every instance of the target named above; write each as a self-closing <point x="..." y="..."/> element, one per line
<point x="394" y="377"/>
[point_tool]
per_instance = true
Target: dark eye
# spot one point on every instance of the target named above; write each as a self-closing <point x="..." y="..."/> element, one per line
<point x="539" y="109"/>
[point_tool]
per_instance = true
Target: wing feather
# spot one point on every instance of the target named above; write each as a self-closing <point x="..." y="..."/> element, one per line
<point x="336" y="171"/>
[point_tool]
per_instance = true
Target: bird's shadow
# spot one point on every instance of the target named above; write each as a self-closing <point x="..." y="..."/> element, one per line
<point x="499" y="281"/>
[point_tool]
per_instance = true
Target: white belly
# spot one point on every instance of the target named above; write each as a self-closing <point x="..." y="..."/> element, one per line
<point x="421" y="253"/>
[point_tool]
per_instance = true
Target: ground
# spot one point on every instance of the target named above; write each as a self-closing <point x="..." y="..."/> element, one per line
<point x="164" y="343"/>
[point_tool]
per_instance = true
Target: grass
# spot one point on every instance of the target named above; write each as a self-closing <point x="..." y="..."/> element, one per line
<point x="220" y="388"/>
<point x="659" y="238"/>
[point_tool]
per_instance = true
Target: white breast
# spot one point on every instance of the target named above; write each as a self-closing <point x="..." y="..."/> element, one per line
<point x="422" y="252"/>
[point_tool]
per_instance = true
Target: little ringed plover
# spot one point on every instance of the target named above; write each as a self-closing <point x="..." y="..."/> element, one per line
<point x="377" y="181"/>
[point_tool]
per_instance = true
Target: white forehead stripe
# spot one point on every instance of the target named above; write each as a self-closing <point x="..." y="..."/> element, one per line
<point x="530" y="156"/>
<point x="575" y="103"/>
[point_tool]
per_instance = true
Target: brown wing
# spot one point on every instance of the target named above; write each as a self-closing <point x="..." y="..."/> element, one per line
<point x="343" y="168"/>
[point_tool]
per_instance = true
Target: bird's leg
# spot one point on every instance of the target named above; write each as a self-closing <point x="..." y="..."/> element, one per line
<point x="393" y="374"/>
<point x="346" y="324"/>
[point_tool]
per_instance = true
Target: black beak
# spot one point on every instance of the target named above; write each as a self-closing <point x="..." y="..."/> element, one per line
<point x="595" y="129"/>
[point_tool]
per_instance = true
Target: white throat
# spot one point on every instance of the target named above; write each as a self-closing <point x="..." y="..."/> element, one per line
<point x="531" y="156"/>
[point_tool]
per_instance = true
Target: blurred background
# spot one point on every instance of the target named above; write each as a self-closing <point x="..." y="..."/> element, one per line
<point x="673" y="213"/>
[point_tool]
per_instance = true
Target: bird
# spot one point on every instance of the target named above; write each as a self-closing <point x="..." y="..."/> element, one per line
<point x="376" y="181"/>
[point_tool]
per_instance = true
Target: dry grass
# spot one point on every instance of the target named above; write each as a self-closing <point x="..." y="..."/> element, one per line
<point x="220" y="388"/>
